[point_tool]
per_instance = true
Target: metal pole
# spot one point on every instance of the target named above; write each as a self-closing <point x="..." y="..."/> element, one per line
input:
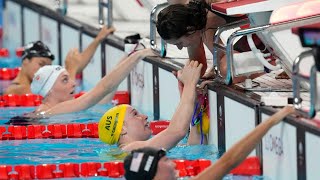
<point x="110" y="14"/>
<point x="153" y="31"/>
<point x="101" y="17"/>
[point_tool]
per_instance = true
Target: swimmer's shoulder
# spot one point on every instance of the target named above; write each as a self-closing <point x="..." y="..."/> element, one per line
<point x="16" y="88"/>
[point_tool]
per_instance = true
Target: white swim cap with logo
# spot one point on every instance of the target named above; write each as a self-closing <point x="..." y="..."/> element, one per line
<point x="44" y="79"/>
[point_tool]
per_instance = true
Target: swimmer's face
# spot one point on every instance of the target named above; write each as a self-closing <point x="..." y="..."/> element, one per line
<point x="64" y="87"/>
<point x="31" y="66"/>
<point x="186" y="40"/>
<point x="136" y="125"/>
<point x="166" y="169"/>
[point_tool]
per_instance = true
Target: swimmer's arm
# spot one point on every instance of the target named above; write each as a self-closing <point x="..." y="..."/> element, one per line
<point x="76" y="61"/>
<point x="17" y="89"/>
<point x="197" y="53"/>
<point x="88" y="53"/>
<point x="194" y="136"/>
<point x="105" y="86"/>
<point x="179" y="125"/>
<point x="108" y="98"/>
<point x="239" y="151"/>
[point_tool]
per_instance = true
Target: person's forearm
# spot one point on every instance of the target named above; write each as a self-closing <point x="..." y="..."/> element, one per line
<point x="108" y="98"/>
<point x="87" y="54"/>
<point x="239" y="151"/>
<point x="72" y="73"/>
<point x="110" y="82"/>
<point x="183" y="114"/>
<point x="105" y="86"/>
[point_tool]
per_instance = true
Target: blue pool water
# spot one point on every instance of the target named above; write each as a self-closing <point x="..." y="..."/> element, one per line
<point x="88" y="116"/>
<point x="55" y="151"/>
<point x="77" y="150"/>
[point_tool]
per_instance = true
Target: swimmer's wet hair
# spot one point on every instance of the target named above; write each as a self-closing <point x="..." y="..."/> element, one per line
<point x="178" y="20"/>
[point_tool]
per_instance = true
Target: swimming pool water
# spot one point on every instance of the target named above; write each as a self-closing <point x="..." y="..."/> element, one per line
<point x="55" y="151"/>
<point x="38" y="151"/>
<point x="90" y="115"/>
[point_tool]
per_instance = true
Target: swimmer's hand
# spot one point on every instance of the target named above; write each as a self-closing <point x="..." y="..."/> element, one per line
<point x="145" y="53"/>
<point x="190" y="74"/>
<point x="287" y="110"/>
<point x="104" y="32"/>
<point x="73" y="60"/>
<point x="180" y="84"/>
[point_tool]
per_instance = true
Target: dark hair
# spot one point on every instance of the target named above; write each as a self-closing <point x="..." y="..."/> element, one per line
<point x="178" y="20"/>
<point x="36" y="49"/>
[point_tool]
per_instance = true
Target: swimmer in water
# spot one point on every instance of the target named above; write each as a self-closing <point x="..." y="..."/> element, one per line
<point x="151" y="163"/>
<point x="37" y="54"/>
<point x="125" y="126"/>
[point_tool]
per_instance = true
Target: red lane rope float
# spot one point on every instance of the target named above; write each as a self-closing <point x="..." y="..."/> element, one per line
<point x="28" y="100"/>
<point x="249" y="167"/>
<point x="54" y="131"/>
<point x="191" y="168"/>
<point x="65" y="170"/>
<point x="25" y="100"/>
<point x="9" y="73"/>
<point x="108" y="169"/>
<point x="158" y="126"/>
<point x="60" y="131"/>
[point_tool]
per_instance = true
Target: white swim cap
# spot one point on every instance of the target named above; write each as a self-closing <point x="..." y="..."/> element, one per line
<point x="44" y="79"/>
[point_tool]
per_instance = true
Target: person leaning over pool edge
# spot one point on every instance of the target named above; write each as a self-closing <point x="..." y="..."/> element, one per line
<point x="124" y="126"/>
<point x="153" y="164"/>
<point x="192" y="24"/>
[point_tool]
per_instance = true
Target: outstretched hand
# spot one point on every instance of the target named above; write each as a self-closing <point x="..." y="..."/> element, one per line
<point x="145" y="52"/>
<point x="190" y="74"/>
<point x="104" y="32"/>
<point x="73" y="60"/>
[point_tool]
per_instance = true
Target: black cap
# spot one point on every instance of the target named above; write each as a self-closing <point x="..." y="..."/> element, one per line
<point x="142" y="163"/>
<point x="37" y="49"/>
